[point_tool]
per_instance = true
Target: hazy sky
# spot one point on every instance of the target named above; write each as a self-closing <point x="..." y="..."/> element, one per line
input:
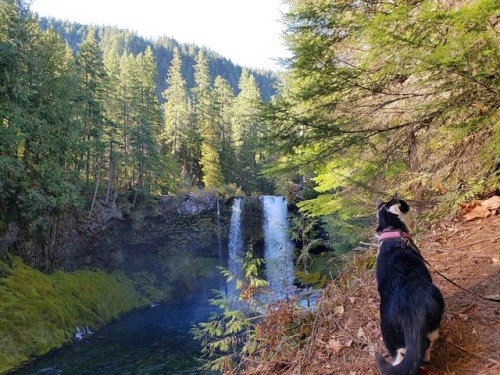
<point x="246" y="31"/>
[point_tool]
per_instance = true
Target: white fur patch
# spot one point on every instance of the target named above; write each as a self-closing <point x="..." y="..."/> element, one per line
<point x="432" y="336"/>
<point x="405" y="218"/>
<point x="399" y="357"/>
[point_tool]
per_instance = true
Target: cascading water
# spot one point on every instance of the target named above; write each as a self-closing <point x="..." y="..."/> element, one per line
<point x="235" y="246"/>
<point x="219" y="240"/>
<point x="278" y="249"/>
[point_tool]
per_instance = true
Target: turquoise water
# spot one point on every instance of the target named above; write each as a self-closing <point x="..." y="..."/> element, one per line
<point x="154" y="340"/>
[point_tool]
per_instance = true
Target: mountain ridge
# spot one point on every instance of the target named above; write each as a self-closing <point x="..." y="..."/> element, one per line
<point x="120" y="40"/>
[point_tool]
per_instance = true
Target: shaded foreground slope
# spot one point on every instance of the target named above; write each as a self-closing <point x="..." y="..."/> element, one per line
<point x="345" y="333"/>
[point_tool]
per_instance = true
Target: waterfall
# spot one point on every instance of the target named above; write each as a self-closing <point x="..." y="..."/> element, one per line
<point x="278" y="248"/>
<point x="219" y="241"/>
<point x="235" y="246"/>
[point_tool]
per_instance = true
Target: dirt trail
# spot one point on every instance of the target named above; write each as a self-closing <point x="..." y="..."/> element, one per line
<point x="469" y="254"/>
<point x="345" y="334"/>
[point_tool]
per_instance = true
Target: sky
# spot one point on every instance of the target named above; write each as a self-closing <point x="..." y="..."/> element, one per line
<point x="249" y="32"/>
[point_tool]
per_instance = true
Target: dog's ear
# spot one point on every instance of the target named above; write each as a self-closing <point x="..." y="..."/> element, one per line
<point x="398" y="199"/>
<point x="405" y="208"/>
<point x="379" y="203"/>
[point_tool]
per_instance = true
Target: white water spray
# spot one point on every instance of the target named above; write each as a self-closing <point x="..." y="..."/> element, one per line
<point x="235" y="246"/>
<point x="219" y="240"/>
<point x="278" y="248"/>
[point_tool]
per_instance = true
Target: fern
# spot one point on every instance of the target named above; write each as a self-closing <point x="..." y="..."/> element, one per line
<point x="231" y="332"/>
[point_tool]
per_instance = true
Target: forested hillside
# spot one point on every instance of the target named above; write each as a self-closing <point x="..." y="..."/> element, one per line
<point x="378" y="97"/>
<point x="113" y="116"/>
<point x="118" y="41"/>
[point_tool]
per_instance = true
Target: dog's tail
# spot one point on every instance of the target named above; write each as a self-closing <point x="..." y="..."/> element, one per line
<point x="416" y="341"/>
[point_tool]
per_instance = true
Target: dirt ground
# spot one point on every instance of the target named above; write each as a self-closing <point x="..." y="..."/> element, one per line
<point x="345" y="334"/>
<point x="469" y="254"/>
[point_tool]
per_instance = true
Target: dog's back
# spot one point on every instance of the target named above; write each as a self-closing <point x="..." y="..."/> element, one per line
<point x="411" y="306"/>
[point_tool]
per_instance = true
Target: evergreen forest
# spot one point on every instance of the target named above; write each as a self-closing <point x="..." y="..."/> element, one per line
<point x="92" y="113"/>
<point x="377" y="98"/>
<point x="390" y="96"/>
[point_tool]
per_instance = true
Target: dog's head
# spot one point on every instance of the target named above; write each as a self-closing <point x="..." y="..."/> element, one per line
<point x="394" y="214"/>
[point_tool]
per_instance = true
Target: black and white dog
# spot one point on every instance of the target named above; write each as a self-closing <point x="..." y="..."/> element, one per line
<point x="411" y="306"/>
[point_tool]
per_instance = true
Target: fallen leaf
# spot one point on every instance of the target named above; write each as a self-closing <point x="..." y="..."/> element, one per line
<point x="470" y="205"/>
<point x="476" y="213"/>
<point x="361" y="332"/>
<point x="464" y="316"/>
<point x="335" y="345"/>
<point x="492" y="203"/>
<point x="339" y="309"/>
<point x="441" y="188"/>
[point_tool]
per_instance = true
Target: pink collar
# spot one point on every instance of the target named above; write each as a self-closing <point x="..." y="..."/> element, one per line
<point x="390" y="234"/>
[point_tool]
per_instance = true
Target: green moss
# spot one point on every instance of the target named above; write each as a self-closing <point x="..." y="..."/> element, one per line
<point x="40" y="312"/>
<point x="150" y="287"/>
<point x="187" y="268"/>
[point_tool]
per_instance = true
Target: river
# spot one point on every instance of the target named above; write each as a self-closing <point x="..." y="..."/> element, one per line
<point x="155" y="340"/>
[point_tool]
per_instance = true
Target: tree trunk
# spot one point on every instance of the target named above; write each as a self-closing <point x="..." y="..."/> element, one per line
<point x="110" y="174"/>
<point x="98" y="180"/>
<point x="49" y="247"/>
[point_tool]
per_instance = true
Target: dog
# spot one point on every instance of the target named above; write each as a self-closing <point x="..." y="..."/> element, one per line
<point x="411" y="306"/>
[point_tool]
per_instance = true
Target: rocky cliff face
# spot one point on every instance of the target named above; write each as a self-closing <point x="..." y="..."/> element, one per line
<point x="186" y="224"/>
<point x="169" y="243"/>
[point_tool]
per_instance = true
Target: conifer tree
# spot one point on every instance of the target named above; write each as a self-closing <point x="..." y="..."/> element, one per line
<point x="15" y="46"/>
<point x="126" y="99"/>
<point x="93" y="77"/>
<point x="112" y="107"/>
<point x="205" y="120"/>
<point x="247" y="132"/>
<point x="146" y="127"/>
<point x="375" y="87"/>
<point x="39" y="133"/>
<point x="177" y="116"/>
<point x="222" y="102"/>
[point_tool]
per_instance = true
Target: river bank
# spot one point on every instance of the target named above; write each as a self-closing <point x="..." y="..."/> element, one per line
<point x="117" y="262"/>
<point x="40" y="312"/>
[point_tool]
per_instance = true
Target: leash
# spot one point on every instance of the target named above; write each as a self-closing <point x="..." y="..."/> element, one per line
<point x="406" y="240"/>
<point x="497" y="300"/>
